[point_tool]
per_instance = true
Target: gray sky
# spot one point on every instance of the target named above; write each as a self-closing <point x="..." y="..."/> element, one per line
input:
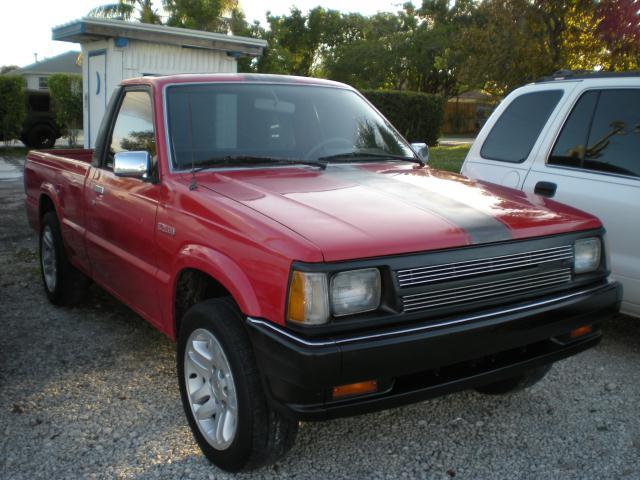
<point x="25" y="25"/>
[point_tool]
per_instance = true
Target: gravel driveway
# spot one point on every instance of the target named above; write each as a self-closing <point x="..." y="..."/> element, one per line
<point x="90" y="392"/>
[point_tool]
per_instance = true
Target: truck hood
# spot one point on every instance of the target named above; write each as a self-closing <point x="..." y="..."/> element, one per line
<point x="368" y="210"/>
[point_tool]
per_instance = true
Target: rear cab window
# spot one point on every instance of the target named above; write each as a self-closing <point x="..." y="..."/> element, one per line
<point x="602" y="133"/>
<point x="514" y="134"/>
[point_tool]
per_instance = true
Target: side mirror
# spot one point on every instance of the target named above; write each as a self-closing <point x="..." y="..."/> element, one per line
<point x="422" y="150"/>
<point x="132" y="164"/>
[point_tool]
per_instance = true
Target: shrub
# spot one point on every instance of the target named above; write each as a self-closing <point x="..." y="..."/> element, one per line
<point x="12" y="106"/>
<point x="417" y="116"/>
<point x="66" y="101"/>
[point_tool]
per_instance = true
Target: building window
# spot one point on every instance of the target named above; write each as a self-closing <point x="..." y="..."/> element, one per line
<point x="43" y="83"/>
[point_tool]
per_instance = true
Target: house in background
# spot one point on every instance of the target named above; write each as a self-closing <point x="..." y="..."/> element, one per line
<point x="40" y="129"/>
<point x="466" y="113"/>
<point x="114" y="50"/>
<point x="36" y="76"/>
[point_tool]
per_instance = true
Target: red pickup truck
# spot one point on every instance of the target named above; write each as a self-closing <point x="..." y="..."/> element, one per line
<point x="306" y="260"/>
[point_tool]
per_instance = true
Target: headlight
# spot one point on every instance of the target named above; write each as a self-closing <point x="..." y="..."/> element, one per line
<point x="355" y="291"/>
<point x="587" y="252"/>
<point x="351" y="292"/>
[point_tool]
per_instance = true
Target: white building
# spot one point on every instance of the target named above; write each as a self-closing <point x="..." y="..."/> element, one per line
<point x="114" y="50"/>
<point x="36" y="75"/>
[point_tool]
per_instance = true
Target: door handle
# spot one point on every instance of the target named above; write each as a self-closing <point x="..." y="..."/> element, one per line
<point x="99" y="189"/>
<point x="545" y="189"/>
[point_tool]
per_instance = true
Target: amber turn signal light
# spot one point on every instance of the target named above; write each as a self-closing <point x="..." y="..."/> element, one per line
<point x="351" y="389"/>
<point x="580" y="331"/>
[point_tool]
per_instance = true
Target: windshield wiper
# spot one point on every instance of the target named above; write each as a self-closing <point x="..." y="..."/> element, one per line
<point x="366" y="155"/>
<point x="253" y="160"/>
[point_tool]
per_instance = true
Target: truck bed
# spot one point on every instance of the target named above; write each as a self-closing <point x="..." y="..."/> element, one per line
<point x="80" y="154"/>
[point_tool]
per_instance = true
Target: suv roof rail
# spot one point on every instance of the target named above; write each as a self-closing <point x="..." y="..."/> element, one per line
<point x="582" y="74"/>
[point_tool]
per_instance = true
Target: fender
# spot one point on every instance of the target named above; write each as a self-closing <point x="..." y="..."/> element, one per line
<point x="221" y="268"/>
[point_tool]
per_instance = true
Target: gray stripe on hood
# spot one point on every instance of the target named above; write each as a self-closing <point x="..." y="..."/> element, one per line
<point x="481" y="227"/>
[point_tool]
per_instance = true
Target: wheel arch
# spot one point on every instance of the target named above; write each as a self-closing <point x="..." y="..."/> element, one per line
<point x="202" y="273"/>
<point x="47" y="202"/>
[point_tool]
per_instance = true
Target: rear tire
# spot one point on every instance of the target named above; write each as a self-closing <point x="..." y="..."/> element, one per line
<point x="222" y="393"/>
<point x="63" y="283"/>
<point x="515" y="384"/>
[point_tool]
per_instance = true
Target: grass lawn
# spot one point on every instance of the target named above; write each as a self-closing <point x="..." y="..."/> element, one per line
<point x="448" y="158"/>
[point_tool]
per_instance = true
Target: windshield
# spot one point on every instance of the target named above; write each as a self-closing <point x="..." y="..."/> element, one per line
<point x="215" y="122"/>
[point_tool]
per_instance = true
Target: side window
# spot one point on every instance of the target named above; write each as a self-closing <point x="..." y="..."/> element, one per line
<point x="133" y="130"/>
<point x="570" y="146"/>
<point x="516" y="131"/>
<point x="602" y="133"/>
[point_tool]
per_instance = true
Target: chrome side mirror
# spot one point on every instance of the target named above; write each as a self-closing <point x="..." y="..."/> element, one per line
<point x="132" y="164"/>
<point x="422" y="150"/>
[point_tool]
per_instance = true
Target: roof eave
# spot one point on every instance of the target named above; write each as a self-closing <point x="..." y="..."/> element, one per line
<point x="95" y="29"/>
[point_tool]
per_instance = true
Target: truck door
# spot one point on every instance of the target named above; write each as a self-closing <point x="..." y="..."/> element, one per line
<point x="121" y="212"/>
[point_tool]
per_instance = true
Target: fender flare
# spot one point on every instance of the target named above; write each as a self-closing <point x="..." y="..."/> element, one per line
<point x="222" y="269"/>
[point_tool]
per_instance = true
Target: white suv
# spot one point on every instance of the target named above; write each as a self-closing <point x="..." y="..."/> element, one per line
<point x="576" y="139"/>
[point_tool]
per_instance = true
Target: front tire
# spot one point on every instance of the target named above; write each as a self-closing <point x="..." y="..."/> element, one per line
<point x="517" y="383"/>
<point x="63" y="284"/>
<point x="222" y="393"/>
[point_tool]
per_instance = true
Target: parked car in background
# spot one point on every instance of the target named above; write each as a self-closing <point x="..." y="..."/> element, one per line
<point x="576" y="139"/>
<point x="39" y="129"/>
<point x="307" y="262"/>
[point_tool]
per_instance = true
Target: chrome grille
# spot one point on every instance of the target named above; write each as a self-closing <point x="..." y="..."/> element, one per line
<point x="452" y="271"/>
<point x="481" y="291"/>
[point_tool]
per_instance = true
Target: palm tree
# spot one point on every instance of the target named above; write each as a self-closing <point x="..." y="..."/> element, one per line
<point x="126" y="9"/>
<point x="199" y="14"/>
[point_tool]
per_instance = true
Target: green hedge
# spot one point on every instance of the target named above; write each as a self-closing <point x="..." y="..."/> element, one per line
<point x="417" y="116"/>
<point x="66" y="100"/>
<point x="12" y="106"/>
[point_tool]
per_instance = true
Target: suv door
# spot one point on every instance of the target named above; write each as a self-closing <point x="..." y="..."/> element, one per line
<point x="121" y="212"/>
<point x="594" y="165"/>
<point x="512" y="136"/>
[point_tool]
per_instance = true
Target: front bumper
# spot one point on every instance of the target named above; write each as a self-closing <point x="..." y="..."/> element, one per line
<point x="423" y="360"/>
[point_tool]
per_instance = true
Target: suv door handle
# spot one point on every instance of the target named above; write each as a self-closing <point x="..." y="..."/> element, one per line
<point x="99" y="189"/>
<point x="545" y="189"/>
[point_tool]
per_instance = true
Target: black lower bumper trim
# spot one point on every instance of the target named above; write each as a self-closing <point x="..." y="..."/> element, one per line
<point x="421" y="361"/>
<point x="430" y="384"/>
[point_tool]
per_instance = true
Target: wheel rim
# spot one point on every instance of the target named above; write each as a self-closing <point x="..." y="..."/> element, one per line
<point x="48" y="258"/>
<point x="210" y="389"/>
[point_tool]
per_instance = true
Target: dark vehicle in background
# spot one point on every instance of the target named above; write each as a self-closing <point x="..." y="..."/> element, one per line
<point x="40" y="129"/>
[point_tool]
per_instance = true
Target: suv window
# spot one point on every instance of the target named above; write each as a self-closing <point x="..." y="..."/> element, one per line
<point x="516" y="131"/>
<point x="602" y="133"/>
<point x="133" y="130"/>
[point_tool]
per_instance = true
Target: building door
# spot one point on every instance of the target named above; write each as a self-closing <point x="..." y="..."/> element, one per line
<point x="97" y="93"/>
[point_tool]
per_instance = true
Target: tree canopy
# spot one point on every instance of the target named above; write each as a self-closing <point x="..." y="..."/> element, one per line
<point x="438" y="47"/>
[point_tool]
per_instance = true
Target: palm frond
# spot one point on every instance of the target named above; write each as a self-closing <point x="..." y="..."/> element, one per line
<point x="122" y="10"/>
